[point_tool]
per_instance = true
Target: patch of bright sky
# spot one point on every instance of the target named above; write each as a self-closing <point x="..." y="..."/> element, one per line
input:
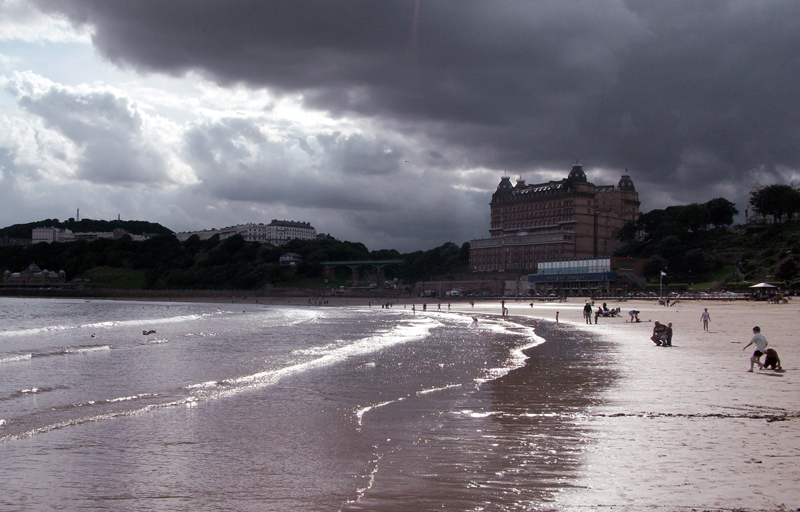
<point x="20" y="21"/>
<point x="52" y="48"/>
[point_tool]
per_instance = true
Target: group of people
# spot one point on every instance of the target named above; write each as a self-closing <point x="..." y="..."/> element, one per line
<point x="601" y="311"/>
<point x="662" y="334"/>
<point x="771" y="360"/>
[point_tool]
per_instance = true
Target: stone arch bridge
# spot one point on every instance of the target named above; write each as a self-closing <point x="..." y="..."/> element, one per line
<point x="354" y="265"/>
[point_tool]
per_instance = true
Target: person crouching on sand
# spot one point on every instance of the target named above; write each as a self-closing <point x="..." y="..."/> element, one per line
<point x="761" y="343"/>
<point x="771" y="360"/>
<point x="659" y="333"/>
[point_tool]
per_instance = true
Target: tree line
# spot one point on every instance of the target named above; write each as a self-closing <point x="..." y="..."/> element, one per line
<point x="233" y="263"/>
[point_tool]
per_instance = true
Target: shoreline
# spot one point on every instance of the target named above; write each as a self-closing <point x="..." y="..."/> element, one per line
<point x="686" y="426"/>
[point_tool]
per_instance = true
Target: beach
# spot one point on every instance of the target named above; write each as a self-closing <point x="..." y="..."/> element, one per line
<point x="425" y="411"/>
<point x="685" y="427"/>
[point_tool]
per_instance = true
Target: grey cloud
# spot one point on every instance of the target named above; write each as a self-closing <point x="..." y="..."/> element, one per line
<point x="236" y="161"/>
<point x="689" y="96"/>
<point x="107" y="129"/>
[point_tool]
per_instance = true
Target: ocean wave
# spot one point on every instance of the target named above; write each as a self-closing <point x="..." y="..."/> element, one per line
<point x="107" y="324"/>
<point x="84" y="350"/>
<point x="415" y="330"/>
<point x="435" y="390"/>
<point x="360" y="412"/>
<point x="203" y="385"/>
<point x="15" y="358"/>
<point x="106" y="401"/>
<point x="321" y="350"/>
<point x="91" y="419"/>
<point x="516" y="358"/>
<point x="32" y="391"/>
<point x="138" y="396"/>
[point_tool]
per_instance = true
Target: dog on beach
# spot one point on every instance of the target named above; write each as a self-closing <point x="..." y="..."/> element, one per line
<point x="771" y="359"/>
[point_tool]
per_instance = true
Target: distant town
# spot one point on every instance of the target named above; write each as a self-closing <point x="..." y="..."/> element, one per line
<point x="277" y="232"/>
<point x="562" y="238"/>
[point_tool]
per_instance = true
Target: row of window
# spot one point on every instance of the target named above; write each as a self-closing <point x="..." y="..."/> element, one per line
<point x="538" y="206"/>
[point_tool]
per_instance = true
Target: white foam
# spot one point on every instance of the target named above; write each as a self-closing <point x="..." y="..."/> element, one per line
<point x="415" y="330"/>
<point x="107" y="324"/>
<point x="132" y="397"/>
<point x="434" y="390"/>
<point x="473" y="414"/>
<point x="86" y="350"/>
<point x="363" y="410"/>
<point x="16" y="358"/>
<point x="203" y="385"/>
<point x="516" y="358"/>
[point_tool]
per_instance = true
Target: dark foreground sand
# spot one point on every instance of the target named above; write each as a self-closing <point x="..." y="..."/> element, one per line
<point x="687" y="427"/>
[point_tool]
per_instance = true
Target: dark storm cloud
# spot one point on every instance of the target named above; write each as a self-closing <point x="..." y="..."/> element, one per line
<point x="106" y="128"/>
<point x="687" y="95"/>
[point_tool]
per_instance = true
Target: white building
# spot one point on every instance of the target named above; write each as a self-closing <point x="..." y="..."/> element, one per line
<point x="277" y="232"/>
<point x="50" y="235"/>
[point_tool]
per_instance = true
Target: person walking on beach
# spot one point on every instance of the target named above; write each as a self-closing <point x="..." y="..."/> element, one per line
<point x="761" y="343"/>
<point x="705" y="317"/>
<point x="556" y="317"/>
<point x="587" y="312"/>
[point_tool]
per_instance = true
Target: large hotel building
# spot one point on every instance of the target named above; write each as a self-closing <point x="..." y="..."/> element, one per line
<point x="567" y="219"/>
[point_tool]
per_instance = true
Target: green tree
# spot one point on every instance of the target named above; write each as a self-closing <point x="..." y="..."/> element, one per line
<point x="787" y="269"/>
<point x="776" y="200"/>
<point x="721" y="212"/>
<point x="694" y="216"/>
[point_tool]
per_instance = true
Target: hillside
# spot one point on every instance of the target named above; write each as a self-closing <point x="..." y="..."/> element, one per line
<point x="134" y="227"/>
<point x="691" y="256"/>
<point x="163" y="262"/>
<point x="723" y="257"/>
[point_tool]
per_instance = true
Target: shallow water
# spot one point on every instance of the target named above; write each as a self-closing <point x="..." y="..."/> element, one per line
<point x="252" y="407"/>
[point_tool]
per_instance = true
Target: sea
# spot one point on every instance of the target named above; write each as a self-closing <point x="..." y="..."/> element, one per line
<point x="180" y="406"/>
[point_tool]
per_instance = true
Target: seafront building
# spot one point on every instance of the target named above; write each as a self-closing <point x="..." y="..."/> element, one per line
<point x="559" y="220"/>
<point x="51" y="234"/>
<point x="277" y="232"/>
<point x="33" y="276"/>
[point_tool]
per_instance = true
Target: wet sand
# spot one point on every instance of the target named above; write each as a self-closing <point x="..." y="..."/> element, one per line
<point x="686" y="427"/>
<point x="679" y="428"/>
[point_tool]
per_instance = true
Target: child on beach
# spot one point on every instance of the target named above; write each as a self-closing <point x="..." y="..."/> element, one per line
<point x="705" y="317"/>
<point x="771" y="360"/>
<point x="761" y="343"/>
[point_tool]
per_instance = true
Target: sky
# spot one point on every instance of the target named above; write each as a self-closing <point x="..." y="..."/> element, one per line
<point x="388" y="123"/>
